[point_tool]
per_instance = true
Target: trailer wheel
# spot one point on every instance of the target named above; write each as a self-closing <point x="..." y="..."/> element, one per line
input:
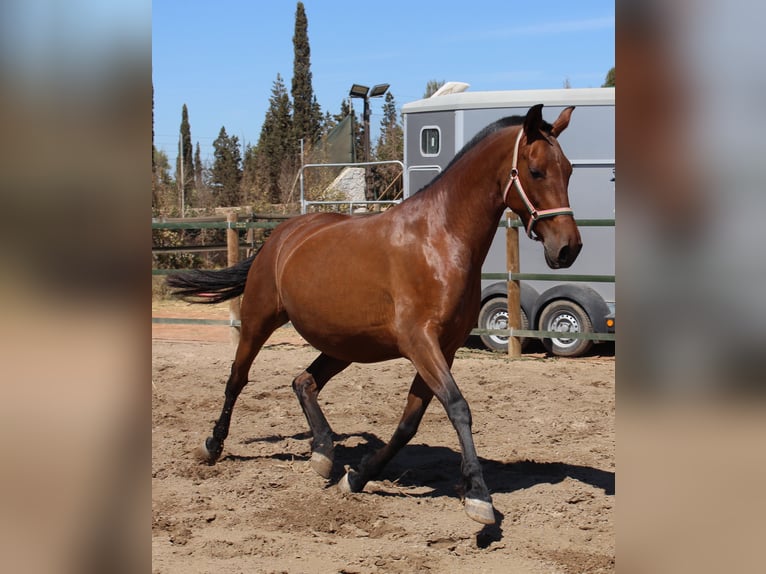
<point x="494" y="315"/>
<point x="566" y="317"/>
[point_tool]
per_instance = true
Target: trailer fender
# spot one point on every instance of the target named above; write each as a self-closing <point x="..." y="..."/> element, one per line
<point x="528" y="295"/>
<point x="585" y="296"/>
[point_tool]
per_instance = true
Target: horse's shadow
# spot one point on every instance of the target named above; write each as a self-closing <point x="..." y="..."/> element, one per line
<point x="438" y="467"/>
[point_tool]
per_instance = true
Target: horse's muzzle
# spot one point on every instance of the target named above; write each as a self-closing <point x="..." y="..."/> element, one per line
<point x="564" y="257"/>
<point x="567" y="254"/>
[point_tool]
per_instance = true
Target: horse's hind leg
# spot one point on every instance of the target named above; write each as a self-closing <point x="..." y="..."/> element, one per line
<point x="307" y="386"/>
<point x="417" y="402"/>
<point x="250" y="343"/>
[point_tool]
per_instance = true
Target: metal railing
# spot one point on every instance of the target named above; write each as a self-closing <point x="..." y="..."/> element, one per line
<point x="351" y="203"/>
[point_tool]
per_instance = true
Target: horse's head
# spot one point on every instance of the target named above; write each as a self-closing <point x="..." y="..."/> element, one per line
<point x="537" y="187"/>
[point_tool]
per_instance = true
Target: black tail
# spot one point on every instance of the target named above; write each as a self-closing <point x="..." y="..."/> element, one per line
<point x="203" y="286"/>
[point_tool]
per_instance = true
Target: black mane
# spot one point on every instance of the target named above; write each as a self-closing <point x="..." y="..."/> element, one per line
<point x="498" y="125"/>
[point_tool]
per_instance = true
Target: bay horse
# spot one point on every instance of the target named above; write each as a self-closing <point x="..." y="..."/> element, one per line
<point x="401" y="283"/>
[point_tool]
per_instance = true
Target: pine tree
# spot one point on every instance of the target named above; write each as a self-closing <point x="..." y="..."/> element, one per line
<point x="251" y="179"/>
<point x="165" y="192"/>
<point x="390" y="146"/>
<point x="185" y="155"/>
<point x="227" y="172"/>
<point x="609" y="82"/>
<point x="328" y="122"/>
<point x="391" y="139"/>
<point x="276" y="148"/>
<point x="306" y="112"/>
<point x="317" y="118"/>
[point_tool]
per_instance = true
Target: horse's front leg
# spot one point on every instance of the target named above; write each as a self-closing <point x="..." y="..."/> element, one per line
<point x="432" y="365"/>
<point x="434" y="371"/>
<point x="478" y="503"/>
<point x="307" y="386"/>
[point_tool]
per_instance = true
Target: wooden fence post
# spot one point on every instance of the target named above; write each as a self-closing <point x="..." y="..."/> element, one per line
<point x="514" y="289"/>
<point x="232" y="251"/>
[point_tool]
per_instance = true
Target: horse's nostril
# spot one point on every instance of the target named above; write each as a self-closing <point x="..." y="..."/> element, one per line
<point x="568" y="254"/>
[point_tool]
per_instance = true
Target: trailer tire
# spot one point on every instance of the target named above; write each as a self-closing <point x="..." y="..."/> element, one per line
<point x="494" y="315"/>
<point x="566" y="316"/>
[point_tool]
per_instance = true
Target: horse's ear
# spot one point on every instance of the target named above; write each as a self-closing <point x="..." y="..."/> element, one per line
<point x="533" y="122"/>
<point x="562" y="121"/>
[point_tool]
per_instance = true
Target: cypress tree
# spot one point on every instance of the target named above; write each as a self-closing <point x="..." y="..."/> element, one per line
<point x="306" y="112"/>
<point x="185" y="155"/>
<point x="197" y="168"/>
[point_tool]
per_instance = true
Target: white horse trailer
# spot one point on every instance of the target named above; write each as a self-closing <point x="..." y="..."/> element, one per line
<point x="436" y="128"/>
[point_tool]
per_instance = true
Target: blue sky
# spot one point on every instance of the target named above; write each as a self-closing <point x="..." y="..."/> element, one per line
<point x="221" y="58"/>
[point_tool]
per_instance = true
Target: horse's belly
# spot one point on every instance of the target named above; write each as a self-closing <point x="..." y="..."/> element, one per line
<point x="359" y="347"/>
<point x="345" y="321"/>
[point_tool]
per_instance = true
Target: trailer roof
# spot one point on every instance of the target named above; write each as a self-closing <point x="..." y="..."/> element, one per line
<point x="512" y="98"/>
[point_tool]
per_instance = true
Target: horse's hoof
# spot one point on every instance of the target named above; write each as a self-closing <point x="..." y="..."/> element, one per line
<point x="209" y="452"/>
<point x="202" y="454"/>
<point x="480" y="511"/>
<point x="321" y="464"/>
<point x="351" y="482"/>
<point x="344" y="484"/>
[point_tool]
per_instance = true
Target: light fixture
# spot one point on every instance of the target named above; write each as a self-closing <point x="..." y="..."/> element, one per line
<point x="379" y="90"/>
<point x="358" y="91"/>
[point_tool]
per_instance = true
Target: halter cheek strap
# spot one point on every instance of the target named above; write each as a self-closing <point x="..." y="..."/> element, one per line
<point x="514" y="181"/>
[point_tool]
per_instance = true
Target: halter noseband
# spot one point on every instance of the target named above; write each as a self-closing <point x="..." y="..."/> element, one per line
<point x="534" y="213"/>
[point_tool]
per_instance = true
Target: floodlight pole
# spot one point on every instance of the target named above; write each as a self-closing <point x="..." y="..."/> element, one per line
<point x="367" y="170"/>
<point x="363" y="93"/>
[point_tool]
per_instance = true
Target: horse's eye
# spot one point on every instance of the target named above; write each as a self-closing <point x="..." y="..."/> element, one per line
<point x="535" y="173"/>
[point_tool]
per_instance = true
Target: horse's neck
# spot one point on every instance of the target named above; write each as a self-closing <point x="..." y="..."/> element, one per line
<point x="468" y="204"/>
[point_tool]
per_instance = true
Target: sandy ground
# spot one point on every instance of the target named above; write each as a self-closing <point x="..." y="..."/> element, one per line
<point x="543" y="427"/>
